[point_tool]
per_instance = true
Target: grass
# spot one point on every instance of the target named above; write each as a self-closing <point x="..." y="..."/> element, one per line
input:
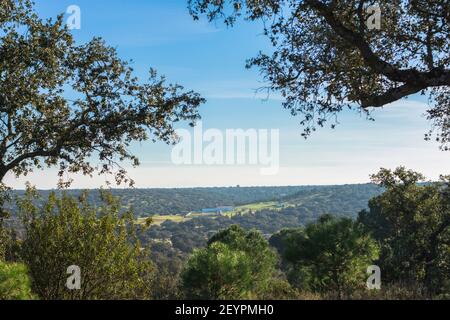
<point x="159" y="219"/>
<point x="245" y="209"/>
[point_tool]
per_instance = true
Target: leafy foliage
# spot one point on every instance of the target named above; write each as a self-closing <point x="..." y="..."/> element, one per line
<point x="314" y="200"/>
<point x="8" y="240"/>
<point x="109" y="108"/>
<point x="326" y="57"/>
<point x="412" y="223"/>
<point x="330" y="256"/>
<point x="236" y="264"/>
<point x="148" y="202"/>
<point x="15" y="283"/>
<point x="67" y="232"/>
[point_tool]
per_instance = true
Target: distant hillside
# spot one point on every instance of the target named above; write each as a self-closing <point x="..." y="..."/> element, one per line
<point x="289" y="207"/>
<point x="297" y="209"/>
<point x="345" y="199"/>
<point x="146" y="202"/>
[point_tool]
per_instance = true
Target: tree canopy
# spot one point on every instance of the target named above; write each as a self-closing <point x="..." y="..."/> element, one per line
<point x="236" y="264"/>
<point x="64" y="104"/>
<point x="330" y="256"/>
<point x="327" y="57"/>
<point x="412" y="223"/>
<point x="217" y="272"/>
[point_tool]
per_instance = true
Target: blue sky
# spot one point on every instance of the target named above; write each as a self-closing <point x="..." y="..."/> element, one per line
<point x="210" y="59"/>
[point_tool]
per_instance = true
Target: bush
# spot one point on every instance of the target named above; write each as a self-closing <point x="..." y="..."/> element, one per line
<point x="15" y="283"/>
<point x="101" y="241"/>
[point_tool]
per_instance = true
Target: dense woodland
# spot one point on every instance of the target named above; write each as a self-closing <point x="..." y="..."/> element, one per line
<point x="315" y="250"/>
<point x="306" y="204"/>
<point x="148" y="202"/>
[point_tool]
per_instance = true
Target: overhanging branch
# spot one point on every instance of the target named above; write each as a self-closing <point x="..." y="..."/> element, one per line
<point x="434" y="77"/>
<point x="390" y="96"/>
